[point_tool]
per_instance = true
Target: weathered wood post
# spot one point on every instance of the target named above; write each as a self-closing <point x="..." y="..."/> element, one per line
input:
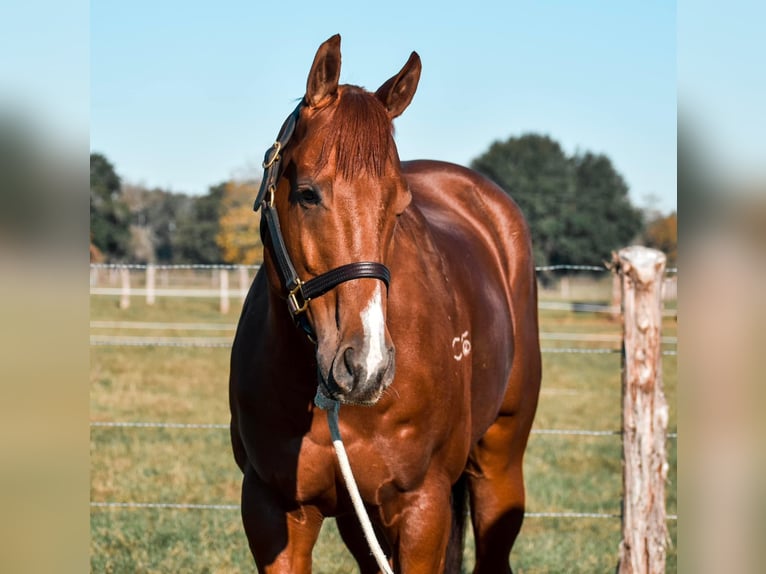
<point x="125" y="284"/>
<point x="644" y="413"/>
<point x="150" y="283"/>
<point x="224" y="273"/>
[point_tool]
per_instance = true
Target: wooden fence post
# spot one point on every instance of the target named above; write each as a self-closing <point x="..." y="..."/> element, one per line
<point x="150" y="281"/>
<point x="125" y="283"/>
<point x="644" y="413"/>
<point x="224" y="291"/>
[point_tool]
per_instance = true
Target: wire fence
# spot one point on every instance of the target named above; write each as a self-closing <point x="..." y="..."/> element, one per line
<point x="236" y="507"/>
<point x="225" y="343"/>
<point x="196" y="280"/>
<point x="225" y="427"/>
<point x="174" y="266"/>
<point x="107" y="341"/>
<point x="231" y="266"/>
<point x="167" y="425"/>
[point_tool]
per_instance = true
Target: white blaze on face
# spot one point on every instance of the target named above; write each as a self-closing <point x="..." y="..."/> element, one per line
<point x="374" y="325"/>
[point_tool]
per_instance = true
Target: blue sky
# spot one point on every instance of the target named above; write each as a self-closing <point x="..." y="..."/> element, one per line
<point x="184" y="95"/>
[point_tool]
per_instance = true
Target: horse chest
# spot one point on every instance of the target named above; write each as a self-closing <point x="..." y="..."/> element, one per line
<point x="296" y="467"/>
<point x="304" y="468"/>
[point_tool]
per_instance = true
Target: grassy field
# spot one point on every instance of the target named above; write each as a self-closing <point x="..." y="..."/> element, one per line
<point x="189" y="385"/>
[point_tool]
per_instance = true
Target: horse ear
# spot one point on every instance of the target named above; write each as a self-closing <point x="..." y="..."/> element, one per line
<point x="397" y="93"/>
<point x="322" y="84"/>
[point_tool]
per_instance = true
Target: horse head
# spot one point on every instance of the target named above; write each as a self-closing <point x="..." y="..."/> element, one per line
<point x="338" y="198"/>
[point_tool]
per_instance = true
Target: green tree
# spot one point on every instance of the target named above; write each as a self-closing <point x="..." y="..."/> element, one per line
<point x="153" y="221"/>
<point x="601" y="217"/>
<point x="577" y="208"/>
<point x="163" y="215"/>
<point x="109" y="215"/>
<point x="197" y="226"/>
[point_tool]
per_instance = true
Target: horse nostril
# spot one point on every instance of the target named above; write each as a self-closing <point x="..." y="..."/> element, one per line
<point x="348" y="360"/>
<point x="343" y="370"/>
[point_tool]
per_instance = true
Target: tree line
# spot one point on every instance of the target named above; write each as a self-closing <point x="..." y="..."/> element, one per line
<point x="577" y="207"/>
<point x="131" y="223"/>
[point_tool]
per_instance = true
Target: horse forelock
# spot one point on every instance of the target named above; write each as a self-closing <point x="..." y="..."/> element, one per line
<point x="360" y="135"/>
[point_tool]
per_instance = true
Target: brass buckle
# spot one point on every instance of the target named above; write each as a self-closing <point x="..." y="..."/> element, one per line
<point x="274" y="157"/>
<point x="269" y="199"/>
<point x="295" y="307"/>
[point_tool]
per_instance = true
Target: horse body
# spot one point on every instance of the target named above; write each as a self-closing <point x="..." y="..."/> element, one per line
<point x="461" y="314"/>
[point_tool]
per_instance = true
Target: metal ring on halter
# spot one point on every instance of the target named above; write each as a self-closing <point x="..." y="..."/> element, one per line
<point x="274" y="157"/>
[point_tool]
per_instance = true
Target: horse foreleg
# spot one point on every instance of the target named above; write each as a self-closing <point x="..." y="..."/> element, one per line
<point x="351" y="532"/>
<point x="496" y="487"/>
<point x="280" y="540"/>
<point x="423" y="529"/>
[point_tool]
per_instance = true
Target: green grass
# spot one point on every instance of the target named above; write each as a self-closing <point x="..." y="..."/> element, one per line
<point x="189" y="385"/>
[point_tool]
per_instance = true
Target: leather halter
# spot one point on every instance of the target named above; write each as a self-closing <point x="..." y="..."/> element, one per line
<point x="299" y="293"/>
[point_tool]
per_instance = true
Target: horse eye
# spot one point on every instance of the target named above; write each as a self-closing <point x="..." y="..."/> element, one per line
<point x="308" y="196"/>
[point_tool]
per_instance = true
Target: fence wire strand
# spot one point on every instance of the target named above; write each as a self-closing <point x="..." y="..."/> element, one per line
<point x="231" y="266"/>
<point x="171" y="505"/>
<point x="163" y="425"/>
<point x="148" y="342"/>
<point x="236" y="507"/>
<point x="171" y="267"/>
<point x="128" y="424"/>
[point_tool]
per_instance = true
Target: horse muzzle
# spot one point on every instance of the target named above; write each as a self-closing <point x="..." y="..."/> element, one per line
<point x="357" y="375"/>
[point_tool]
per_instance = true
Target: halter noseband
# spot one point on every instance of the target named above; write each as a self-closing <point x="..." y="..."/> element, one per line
<point x="299" y="293"/>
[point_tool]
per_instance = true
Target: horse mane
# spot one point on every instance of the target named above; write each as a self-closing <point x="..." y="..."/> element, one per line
<point x="360" y="136"/>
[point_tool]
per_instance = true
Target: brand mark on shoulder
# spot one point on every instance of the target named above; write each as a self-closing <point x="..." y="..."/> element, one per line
<point x="461" y="346"/>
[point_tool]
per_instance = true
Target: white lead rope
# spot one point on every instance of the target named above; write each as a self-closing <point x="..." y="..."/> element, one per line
<point x="333" y="407"/>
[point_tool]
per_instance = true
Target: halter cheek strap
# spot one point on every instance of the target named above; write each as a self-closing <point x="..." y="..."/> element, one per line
<point x="299" y="293"/>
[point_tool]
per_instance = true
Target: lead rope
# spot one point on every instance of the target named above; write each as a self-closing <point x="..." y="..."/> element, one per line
<point x="333" y="407"/>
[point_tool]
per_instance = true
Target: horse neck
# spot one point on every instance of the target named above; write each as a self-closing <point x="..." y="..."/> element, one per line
<point x="412" y="235"/>
<point x="285" y="342"/>
<point x="289" y="350"/>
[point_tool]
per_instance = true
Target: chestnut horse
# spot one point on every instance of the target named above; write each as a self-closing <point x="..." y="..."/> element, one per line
<point x="411" y="299"/>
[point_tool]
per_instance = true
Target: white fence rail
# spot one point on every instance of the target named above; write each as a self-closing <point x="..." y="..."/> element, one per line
<point x="151" y="281"/>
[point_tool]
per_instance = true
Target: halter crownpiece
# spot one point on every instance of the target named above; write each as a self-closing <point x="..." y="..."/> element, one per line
<point x="272" y="159"/>
<point x="299" y="293"/>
